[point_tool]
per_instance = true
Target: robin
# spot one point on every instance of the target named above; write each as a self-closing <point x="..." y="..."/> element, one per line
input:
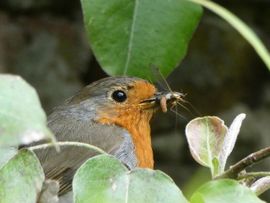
<point x="113" y="114"/>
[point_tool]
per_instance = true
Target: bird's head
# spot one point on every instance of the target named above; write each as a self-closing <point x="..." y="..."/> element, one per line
<point x="127" y="102"/>
<point x="114" y="97"/>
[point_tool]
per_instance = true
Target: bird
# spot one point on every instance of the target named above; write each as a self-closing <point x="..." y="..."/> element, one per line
<point x="113" y="114"/>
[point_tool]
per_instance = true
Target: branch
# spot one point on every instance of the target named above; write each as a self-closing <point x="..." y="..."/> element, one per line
<point x="253" y="174"/>
<point x="255" y="157"/>
<point x="261" y="185"/>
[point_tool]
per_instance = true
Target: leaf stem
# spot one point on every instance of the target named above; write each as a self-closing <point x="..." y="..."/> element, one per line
<point x="255" y="157"/>
<point x="78" y="144"/>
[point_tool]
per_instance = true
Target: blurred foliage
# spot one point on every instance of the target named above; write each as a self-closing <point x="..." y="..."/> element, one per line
<point x="44" y="41"/>
<point x="224" y="191"/>
<point x="240" y="26"/>
<point x="22" y="119"/>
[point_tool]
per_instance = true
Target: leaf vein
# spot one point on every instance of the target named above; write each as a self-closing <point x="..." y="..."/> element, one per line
<point x="131" y="37"/>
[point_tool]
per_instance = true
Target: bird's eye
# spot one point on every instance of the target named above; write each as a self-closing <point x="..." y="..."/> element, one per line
<point x="119" y="96"/>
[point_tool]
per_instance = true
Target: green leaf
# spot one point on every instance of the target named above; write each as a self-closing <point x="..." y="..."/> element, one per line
<point x="211" y="142"/>
<point x="205" y="136"/>
<point x="198" y="178"/>
<point x="22" y="119"/>
<point x="224" y="191"/>
<point x="240" y="26"/>
<point x="21" y="178"/>
<point x="104" y="179"/>
<point x="6" y="153"/>
<point x="128" y="36"/>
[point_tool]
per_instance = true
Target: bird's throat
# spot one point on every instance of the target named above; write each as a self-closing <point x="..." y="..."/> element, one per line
<point x="143" y="146"/>
<point x="139" y="128"/>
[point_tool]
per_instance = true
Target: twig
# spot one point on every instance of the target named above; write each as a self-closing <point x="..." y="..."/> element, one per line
<point x="254" y="174"/>
<point x="234" y="170"/>
<point x="261" y="185"/>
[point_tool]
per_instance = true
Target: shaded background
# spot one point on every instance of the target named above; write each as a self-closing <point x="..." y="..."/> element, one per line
<point x="44" y="41"/>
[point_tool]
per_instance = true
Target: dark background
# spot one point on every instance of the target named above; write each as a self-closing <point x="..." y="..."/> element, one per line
<point x="44" y="41"/>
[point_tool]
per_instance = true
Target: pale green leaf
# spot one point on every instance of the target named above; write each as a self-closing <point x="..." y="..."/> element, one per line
<point x="22" y="119"/>
<point x="6" y="153"/>
<point x="21" y="178"/>
<point x="205" y="136"/>
<point x="104" y="179"/>
<point x="224" y="191"/>
<point x="230" y="140"/>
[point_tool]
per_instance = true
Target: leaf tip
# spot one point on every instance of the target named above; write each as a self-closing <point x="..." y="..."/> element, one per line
<point x="242" y="116"/>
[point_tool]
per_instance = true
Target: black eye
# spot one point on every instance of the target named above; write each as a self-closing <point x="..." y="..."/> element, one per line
<point x="119" y="96"/>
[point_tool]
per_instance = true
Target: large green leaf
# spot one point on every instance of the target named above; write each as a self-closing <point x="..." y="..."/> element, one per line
<point x="22" y="120"/>
<point x="224" y="191"/>
<point x="21" y="179"/>
<point x="104" y="179"/>
<point x="127" y="36"/>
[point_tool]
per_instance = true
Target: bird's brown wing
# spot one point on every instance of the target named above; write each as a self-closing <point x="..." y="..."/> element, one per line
<point x="62" y="166"/>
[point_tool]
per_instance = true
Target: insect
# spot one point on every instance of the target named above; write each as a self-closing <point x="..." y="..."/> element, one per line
<point x="175" y="98"/>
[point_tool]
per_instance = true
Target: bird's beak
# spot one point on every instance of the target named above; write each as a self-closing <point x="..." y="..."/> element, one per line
<point x="161" y="100"/>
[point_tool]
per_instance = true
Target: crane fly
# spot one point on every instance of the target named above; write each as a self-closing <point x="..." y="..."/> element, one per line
<point x="175" y="98"/>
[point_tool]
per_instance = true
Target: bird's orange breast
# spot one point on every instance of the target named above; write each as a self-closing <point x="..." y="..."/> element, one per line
<point x="139" y="128"/>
